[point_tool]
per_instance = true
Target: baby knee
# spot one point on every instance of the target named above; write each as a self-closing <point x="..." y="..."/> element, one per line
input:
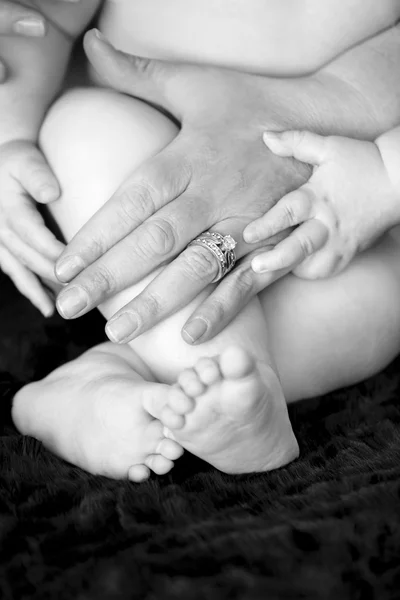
<point x="96" y="116"/>
<point x="95" y="133"/>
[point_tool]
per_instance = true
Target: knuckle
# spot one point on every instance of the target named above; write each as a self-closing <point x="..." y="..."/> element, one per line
<point x="201" y="264"/>
<point x="103" y="281"/>
<point x="94" y="247"/>
<point x="136" y="203"/>
<point x="160" y="238"/>
<point x="144" y="66"/>
<point x="298" y="137"/>
<point x="242" y="283"/>
<point x="306" y="245"/>
<point x="216" y="311"/>
<point x="290" y="213"/>
<point x="152" y="305"/>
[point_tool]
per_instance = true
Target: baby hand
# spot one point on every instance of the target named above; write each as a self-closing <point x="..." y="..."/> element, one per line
<point x="28" y="250"/>
<point x="346" y="205"/>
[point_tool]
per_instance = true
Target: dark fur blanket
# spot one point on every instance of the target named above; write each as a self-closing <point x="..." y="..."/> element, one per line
<point x="327" y="526"/>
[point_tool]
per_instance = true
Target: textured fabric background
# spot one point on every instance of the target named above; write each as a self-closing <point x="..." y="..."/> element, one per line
<point x="327" y="526"/>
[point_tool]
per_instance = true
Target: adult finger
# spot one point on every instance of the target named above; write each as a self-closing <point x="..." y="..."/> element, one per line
<point x="291" y="210"/>
<point x="26" y="282"/>
<point x="155" y="242"/>
<point x="16" y="19"/>
<point x="300" y="244"/>
<point x="227" y="300"/>
<point x="150" y="79"/>
<point x="154" y="184"/>
<point x="190" y="273"/>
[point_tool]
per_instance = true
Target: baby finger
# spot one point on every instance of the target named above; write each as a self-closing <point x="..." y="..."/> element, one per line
<point x="301" y="243"/>
<point x="28" y="224"/>
<point x="27" y="255"/>
<point x="26" y="282"/>
<point x="36" y="177"/>
<point x="291" y="210"/>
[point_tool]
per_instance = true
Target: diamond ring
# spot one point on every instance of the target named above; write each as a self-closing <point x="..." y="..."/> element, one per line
<point x="222" y="247"/>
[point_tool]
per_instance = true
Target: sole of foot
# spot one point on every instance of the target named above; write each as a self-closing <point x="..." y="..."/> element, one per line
<point x="233" y="414"/>
<point x="90" y="413"/>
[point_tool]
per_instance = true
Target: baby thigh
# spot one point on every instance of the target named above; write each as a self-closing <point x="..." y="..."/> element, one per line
<point x="330" y="333"/>
<point x="94" y="139"/>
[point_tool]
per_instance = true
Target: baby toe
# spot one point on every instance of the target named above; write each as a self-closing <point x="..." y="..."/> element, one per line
<point x="190" y="383"/>
<point x="138" y="473"/>
<point x="170" y="449"/>
<point x="159" y="464"/>
<point x="236" y="363"/>
<point x="180" y="402"/>
<point x="171" y="419"/>
<point x="208" y="371"/>
<point x="154" y="403"/>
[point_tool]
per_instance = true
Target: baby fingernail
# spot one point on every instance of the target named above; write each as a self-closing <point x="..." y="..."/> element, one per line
<point x="259" y="267"/>
<point x="71" y="302"/>
<point x="68" y="268"/>
<point x="99" y="35"/>
<point x="270" y="135"/>
<point x="194" y="330"/>
<point x="48" y="194"/>
<point x="250" y="235"/>
<point x="122" y="327"/>
<point x="30" y="26"/>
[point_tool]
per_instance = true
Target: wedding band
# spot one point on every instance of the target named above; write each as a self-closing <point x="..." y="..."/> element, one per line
<point x="222" y="247"/>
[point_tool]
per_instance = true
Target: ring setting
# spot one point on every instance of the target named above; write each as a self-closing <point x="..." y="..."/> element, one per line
<point x="222" y="247"/>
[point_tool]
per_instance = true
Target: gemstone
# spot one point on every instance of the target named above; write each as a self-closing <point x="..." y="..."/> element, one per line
<point x="228" y="243"/>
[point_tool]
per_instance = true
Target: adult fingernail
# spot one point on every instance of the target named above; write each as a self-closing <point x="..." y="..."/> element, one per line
<point x="71" y="302"/>
<point x="122" y="327"/>
<point x="194" y="330"/>
<point x="68" y="268"/>
<point x="30" y="26"/>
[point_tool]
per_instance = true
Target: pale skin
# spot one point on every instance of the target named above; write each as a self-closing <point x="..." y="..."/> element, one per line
<point x="204" y="412"/>
<point x="336" y="210"/>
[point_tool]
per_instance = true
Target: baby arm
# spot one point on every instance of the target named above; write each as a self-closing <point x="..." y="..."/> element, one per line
<point x="351" y="199"/>
<point x="36" y="68"/>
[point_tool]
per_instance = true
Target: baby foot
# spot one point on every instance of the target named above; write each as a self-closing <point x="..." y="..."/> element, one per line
<point x="233" y="414"/>
<point x="90" y="412"/>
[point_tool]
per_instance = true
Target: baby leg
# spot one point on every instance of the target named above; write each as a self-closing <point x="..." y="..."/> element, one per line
<point x="335" y="332"/>
<point x="237" y="419"/>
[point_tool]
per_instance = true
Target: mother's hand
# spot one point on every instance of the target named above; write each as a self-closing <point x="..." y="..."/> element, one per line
<point x="216" y="173"/>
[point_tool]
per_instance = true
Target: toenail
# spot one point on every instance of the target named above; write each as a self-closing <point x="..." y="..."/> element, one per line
<point x="71" y="302"/>
<point x="122" y="327"/>
<point x="194" y="330"/>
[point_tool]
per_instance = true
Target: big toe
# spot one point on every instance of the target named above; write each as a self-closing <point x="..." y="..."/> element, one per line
<point x="236" y="363"/>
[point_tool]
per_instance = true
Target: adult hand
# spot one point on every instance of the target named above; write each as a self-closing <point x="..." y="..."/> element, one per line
<point x="17" y="19"/>
<point x="216" y="173"/>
